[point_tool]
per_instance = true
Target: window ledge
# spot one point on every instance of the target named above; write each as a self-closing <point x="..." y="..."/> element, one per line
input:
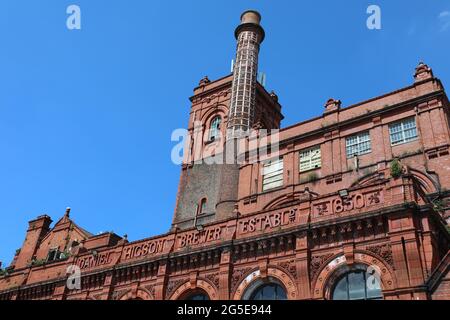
<point x="405" y="142"/>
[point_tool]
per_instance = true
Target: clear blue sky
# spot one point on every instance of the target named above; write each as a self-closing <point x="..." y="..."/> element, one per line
<point x="86" y="116"/>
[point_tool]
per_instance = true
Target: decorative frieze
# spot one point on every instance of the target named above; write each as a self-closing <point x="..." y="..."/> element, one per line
<point x="172" y="285"/>
<point x="119" y="293"/>
<point x="214" y="279"/>
<point x="237" y="277"/>
<point x="290" y="267"/>
<point x="317" y="262"/>
<point x="354" y="202"/>
<point x="267" y="221"/>
<point x="383" y="251"/>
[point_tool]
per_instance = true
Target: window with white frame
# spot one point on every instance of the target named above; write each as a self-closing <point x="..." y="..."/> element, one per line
<point x="310" y="159"/>
<point x="358" y="144"/>
<point x="273" y="174"/>
<point x="403" y="131"/>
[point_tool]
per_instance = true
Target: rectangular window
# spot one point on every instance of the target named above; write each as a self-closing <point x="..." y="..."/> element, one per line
<point x="358" y="144"/>
<point x="310" y="159"/>
<point x="273" y="174"/>
<point x="403" y="131"/>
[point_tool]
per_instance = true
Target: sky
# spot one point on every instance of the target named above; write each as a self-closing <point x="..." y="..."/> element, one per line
<point x="86" y="115"/>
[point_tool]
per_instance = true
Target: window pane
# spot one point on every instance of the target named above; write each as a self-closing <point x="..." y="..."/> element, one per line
<point x="358" y="144"/>
<point x="396" y="138"/>
<point x="353" y="286"/>
<point x="272" y="185"/>
<point x="214" y="128"/>
<point x="203" y="206"/>
<point x="396" y="127"/>
<point x="341" y="290"/>
<point x="356" y="286"/>
<point x="374" y="288"/>
<point x="403" y="131"/>
<point x="273" y="174"/>
<point x="310" y="159"/>
<point x="410" y="134"/>
<point x="199" y="296"/>
<point x="270" y="291"/>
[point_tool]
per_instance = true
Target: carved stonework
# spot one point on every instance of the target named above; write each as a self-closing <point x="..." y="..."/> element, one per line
<point x="172" y="285"/>
<point x="290" y="267"/>
<point x="117" y="294"/>
<point x="214" y="279"/>
<point x="223" y="93"/>
<point x="316" y="264"/>
<point x="237" y="276"/>
<point x="383" y="251"/>
<point x="151" y="288"/>
<point x="98" y="296"/>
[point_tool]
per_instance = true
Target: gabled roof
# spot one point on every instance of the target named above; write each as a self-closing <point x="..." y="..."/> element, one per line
<point x="66" y="220"/>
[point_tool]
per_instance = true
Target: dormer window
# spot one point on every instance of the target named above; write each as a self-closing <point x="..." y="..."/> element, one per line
<point x="53" y="255"/>
<point x="214" y="129"/>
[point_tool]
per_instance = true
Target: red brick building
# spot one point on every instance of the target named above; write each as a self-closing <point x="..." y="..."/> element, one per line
<point x="356" y="194"/>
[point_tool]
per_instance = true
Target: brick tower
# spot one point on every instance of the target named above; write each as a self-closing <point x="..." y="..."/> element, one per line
<point x="223" y="111"/>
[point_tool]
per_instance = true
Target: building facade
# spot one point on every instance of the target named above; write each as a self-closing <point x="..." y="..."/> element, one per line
<point x="352" y="204"/>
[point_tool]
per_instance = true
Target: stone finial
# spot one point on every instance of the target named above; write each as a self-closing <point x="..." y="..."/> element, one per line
<point x="204" y="81"/>
<point x="423" y="72"/>
<point x="274" y="96"/>
<point x="124" y="240"/>
<point x="67" y="214"/>
<point x="332" y="105"/>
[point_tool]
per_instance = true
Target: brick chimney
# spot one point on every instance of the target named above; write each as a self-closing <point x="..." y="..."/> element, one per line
<point x="37" y="229"/>
<point x="241" y="116"/>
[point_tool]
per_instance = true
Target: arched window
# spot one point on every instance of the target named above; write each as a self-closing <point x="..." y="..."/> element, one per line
<point x="269" y="291"/>
<point x="202" y="206"/>
<point x="195" y="295"/>
<point x="354" y="286"/>
<point x="198" y="296"/>
<point x="214" y="129"/>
